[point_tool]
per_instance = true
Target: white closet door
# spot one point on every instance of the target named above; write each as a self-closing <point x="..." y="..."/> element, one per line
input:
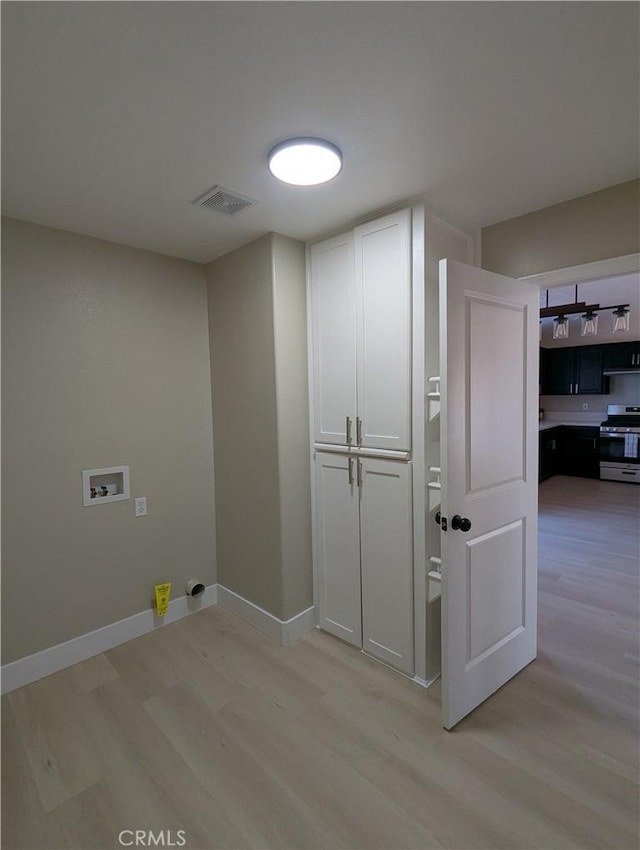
<point x="338" y="547"/>
<point x="333" y="307"/>
<point x="387" y="561"/>
<point x="383" y="282"/>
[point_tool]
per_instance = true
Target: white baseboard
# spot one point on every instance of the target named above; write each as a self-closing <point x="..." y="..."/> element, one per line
<point x="280" y="631"/>
<point x="426" y="683"/>
<point x="41" y="664"/>
<point x="299" y="625"/>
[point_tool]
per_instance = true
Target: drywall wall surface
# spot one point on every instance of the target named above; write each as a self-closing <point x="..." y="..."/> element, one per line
<point x="105" y="362"/>
<point x="292" y="399"/>
<point x="593" y="227"/>
<point x="245" y="424"/>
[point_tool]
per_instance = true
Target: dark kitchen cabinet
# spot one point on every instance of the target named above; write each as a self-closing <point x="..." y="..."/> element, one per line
<point x="588" y="371"/>
<point x="622" y="355"/>
<point x="574" y="371"/>
<point x="579" y="451"/>
<point x="544" y="363"/>
<point x="560" y="368"/>
<point x="549" y="452"/>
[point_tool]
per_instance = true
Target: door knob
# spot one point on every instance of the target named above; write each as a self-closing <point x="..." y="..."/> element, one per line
<point x="460" y="523"/>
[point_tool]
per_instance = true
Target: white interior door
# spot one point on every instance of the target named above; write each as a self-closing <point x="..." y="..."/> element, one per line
<point x="387" y="561"/>
<point x="489" y="434"/>
<point x="383" y="282"/>
<point x="333" y="311"/>
<point x="338" y="547"/>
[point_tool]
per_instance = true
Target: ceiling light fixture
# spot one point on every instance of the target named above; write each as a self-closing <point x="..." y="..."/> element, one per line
<point x="589" y="323"/>
<point x="561" y="313"/>
<point x="621" y="319"/>
<point x="561" y="327"/>
<point x="305" y="161"/>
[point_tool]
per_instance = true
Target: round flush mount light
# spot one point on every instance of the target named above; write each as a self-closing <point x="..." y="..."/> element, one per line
<point x="305" y="161"/>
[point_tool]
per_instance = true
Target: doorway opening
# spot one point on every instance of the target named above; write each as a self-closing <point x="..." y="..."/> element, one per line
<point x="588" y="529"/>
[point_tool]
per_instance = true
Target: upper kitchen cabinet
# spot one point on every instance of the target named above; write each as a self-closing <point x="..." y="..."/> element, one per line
<point x="622" y="355"/>
<point x="559" y="371"/>
<point x="361" y="329"/>
<point x="588" y="371"/>
<point x="575" y="371"/>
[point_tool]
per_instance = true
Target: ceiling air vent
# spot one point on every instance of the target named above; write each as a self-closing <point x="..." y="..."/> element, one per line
<point x="223" y="201"/>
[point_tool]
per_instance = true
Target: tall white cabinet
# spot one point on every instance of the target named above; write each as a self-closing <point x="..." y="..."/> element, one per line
<point x="370" y="317"/>
<point x="361" y="332"/>
<point x="360" y="286"/>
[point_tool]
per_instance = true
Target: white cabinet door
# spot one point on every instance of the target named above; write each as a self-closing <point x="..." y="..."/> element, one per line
<point x="383" y="282"/>
<point x="387" y="561"/>
<point x="338" y="547"/>
<point x="489" y="429"/>
<point x="333" y="308"/>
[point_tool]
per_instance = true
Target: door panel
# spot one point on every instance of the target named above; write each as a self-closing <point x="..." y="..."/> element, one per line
<point x="491" y="587"/>
<point x="489" y="433"/>
<point x="387" y="562"/>
<point x="487" y="321"/>
<point x="333" y="307"/>
<point x="383" y="278"/>
<point x="338" y="547"/>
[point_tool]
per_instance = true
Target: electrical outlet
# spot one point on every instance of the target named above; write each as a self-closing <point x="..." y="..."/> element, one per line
<point x="141" y="506"/>
<point x="585" y="405"/>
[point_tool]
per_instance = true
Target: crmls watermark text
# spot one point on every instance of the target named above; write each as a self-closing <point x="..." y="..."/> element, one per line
<point x="149" y="838"/>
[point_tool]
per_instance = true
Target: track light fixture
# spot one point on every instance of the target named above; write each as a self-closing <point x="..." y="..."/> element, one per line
<point x="589" y="319"/>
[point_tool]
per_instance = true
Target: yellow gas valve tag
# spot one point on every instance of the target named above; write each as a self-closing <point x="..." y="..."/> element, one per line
<point x="163" y="592"/>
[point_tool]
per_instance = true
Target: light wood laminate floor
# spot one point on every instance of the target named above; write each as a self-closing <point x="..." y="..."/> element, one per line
<point x="207" y="726"/>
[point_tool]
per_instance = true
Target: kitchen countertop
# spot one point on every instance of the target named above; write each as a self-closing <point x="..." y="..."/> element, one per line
<point x="546" y="424"/>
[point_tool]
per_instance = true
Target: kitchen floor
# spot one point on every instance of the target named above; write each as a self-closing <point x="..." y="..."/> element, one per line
<point x="208" y="727"/>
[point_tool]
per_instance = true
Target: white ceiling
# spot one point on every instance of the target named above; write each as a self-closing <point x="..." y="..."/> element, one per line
<point x="117" y="115"/>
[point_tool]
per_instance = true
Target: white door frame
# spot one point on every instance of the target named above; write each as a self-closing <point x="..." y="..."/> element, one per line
<point x="611" y="267"/>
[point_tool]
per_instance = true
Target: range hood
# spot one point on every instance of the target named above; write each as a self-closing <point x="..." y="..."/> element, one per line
<point x="622" y="370"/>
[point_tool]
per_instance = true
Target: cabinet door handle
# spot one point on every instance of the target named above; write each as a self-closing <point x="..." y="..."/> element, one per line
<point x="359" y="473"/>
<point x="348" y="429"/>
<point x="359" y="430"/>
<point x="350" y="471"/>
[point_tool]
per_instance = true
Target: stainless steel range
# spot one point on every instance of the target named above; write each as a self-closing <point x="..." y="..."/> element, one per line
<point x="619" y="444"/>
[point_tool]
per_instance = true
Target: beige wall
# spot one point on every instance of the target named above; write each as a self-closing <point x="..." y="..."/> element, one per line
<point x="105" y="362"/>
<point x="245" y="424"/>
<point x="593" y="227"/>
<point x="290" y="322"/>
<point x="260" y="429"/>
